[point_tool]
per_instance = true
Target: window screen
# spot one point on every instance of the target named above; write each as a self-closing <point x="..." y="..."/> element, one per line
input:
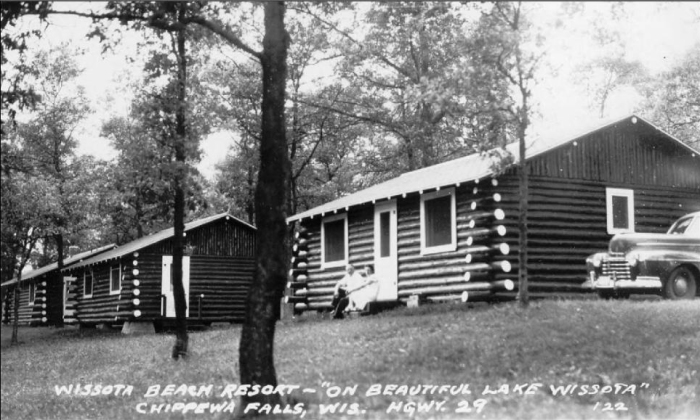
<point x="88" y="283"/>
<point x="116" y="282"/>
<point x="438" y="221"/>
<point x="385" y="234"/>
<point x="334" y="240"/>
<point x="620" y="213"/>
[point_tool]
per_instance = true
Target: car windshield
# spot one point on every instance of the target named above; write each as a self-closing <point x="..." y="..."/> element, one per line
<point x="683" y="226"/>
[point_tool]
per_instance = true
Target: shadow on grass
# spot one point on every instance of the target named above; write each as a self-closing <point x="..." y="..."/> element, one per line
<point x="29" y="335"/>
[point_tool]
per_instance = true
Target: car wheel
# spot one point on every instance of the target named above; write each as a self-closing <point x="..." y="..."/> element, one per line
<point x="681" y="284"/>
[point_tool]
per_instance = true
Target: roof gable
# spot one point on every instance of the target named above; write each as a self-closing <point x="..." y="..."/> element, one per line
<point x="465" y="169"/>
<point x="163" y="235"/>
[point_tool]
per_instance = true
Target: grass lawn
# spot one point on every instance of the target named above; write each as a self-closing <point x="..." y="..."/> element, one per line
<point x="629" y="359"/>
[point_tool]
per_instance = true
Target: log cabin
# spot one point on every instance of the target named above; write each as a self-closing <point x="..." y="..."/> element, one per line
<point x="132" y="284"/>
<point x="450" y="231"/>
<point x="46" y="296"/>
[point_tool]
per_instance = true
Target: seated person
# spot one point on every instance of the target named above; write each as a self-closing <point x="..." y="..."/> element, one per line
<point x="342" y="289"/>
<point x="353" y="292"/>
<point x="365" y="291"/>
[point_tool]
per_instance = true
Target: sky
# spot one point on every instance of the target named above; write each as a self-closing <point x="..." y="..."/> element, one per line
<point x="657" y="37"/>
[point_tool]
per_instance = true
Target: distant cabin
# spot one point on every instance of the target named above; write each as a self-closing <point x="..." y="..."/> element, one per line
<point x="133" y="283"/>
<point x="450" y="231"/>
<point x="45" y="294"/>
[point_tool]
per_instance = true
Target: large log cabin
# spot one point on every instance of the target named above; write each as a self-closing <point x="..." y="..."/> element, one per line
<point x="45" y="296"/>
<point x="450" y="231"/>
<point x="133" y="283"/>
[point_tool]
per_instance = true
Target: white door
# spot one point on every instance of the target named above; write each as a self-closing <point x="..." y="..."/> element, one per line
<point x="385" y="259"/>
<point x="167" y="284"/>
<point x="68" y="310"/>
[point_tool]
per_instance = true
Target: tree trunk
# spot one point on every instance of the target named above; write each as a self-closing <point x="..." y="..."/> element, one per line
<point x="523" y="292"/>
<point x="181" y="341"/>
<point x="59" y="275"/>
<point x="257" y="337"/>
<point x="15" y="311"/>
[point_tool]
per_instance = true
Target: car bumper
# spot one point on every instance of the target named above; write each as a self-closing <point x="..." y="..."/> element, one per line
<point x="607" y="283"/>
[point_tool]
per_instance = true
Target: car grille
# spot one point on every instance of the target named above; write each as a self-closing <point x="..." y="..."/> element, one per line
<point x="615" y="266"/>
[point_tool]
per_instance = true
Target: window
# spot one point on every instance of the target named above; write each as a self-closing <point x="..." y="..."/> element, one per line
<point x="438" y="227"/>
<point x="620" y="210"/>
<point x="334" y="243"/>
<point x="88" y="283"/>
<point x="385" y="234"/>
<point x="115" y="279"/>
<point x="686" y="226"/>
<point x="32" y="293"/>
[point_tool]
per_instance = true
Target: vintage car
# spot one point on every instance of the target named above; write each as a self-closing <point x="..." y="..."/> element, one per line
<point x="665" y="264"/>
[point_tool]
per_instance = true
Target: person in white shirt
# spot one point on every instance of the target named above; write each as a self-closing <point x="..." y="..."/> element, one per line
<point x="353" y="292"/>
<point x="342" y="289"/>
<point x="365" y="291"/>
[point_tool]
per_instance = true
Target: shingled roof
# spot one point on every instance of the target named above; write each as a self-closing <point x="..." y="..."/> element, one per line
<point x="66" y="262"/>
<point x="460" y="170"/>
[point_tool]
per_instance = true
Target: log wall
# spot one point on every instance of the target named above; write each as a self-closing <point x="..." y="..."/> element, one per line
<point x="34" y="314"/>
<point x="103" y="307"/>
<point x="219" y="287"/>
<point x="222" y="264"/>
<point x="567" y="221"/>
<point x="476" y="268"/>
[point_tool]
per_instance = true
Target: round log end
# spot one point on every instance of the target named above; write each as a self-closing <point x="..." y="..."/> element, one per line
<point x="465" y="296"/>
<point x="509" y="285"/>
<point x="499" y="214"/>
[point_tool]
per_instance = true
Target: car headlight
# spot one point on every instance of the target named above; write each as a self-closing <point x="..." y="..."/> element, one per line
<point x="633" y="259"/>
<point x="597" y="260"/>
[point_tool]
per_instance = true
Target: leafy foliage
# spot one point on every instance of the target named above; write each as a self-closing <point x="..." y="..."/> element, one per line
<point x="673" y="99"/>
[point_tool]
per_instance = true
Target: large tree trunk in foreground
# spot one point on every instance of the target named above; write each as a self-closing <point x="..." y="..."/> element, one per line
<point x="181" y="341"/>
<point x="257" y="337"/>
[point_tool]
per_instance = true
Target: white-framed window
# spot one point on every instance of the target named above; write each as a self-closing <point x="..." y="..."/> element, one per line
<point x="32" y="293"/>
<point x="438" y="221"/>
<point x="620" y="210"/>
<point x="88" y="282"/>
<point x="115" y="279"/>
<point x="334" y="241"/>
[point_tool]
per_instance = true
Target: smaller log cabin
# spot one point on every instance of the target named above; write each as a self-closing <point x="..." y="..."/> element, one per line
<point x="133" y="283"/>
<point x="46" y="297"/>
<point x="450" y="231"/>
